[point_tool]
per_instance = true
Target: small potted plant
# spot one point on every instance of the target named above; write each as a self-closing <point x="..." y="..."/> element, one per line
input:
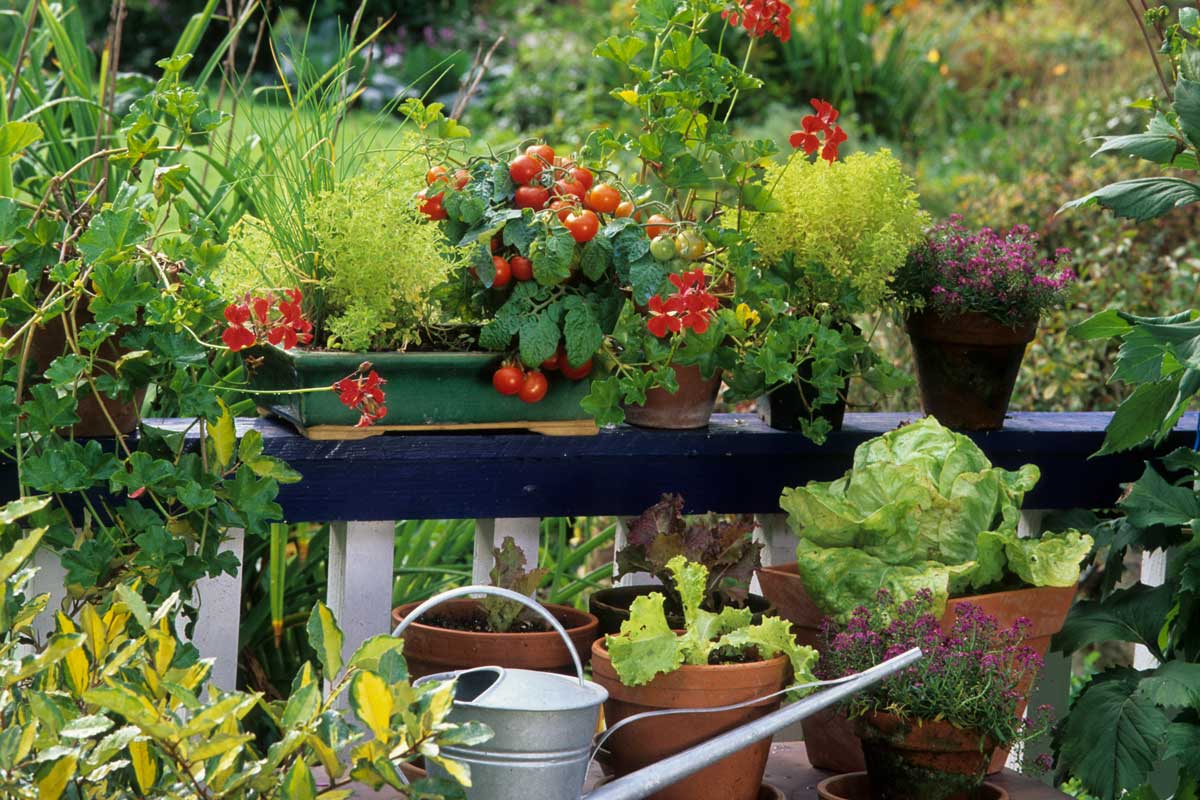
<point x="929" y="732"/>
<point x="922" y="509"/>
<point x="835" y="233"/>
<point x="975" y="298"/>
<point x="716" y="660"/>
<point x="722" y="544"/>
<point x="492" y="631"/>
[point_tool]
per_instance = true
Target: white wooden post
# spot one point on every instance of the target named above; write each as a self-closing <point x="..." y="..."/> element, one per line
<point x="620" y="539"/>
<point x="50" y="579"/>
<point x="1153" y="573"/>
<point x="779" y="543"/>
<point x="360" y="579"/>
<point x="490" y="533"/>
<point x="220" y="620"/>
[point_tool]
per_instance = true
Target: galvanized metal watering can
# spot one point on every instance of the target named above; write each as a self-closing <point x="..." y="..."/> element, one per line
<point x="544" y="723"/>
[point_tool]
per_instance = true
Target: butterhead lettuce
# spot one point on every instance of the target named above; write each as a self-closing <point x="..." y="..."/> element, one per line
<point x="922" y="508"/>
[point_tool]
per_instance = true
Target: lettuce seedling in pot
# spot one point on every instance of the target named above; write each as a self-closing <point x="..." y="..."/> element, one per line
<point x="922" y="508"/>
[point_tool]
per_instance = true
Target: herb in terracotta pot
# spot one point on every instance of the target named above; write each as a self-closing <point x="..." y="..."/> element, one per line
<point x="716" y="660"/>
<point x="827" y="247"/>
<point x="493" y="631"/>
<point x="928" y="733"/>
<point x="975" y="299"/>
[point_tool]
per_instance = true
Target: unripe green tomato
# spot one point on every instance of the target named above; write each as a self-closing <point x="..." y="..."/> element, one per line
<point x="677" y="266"/>
<point x="690" y="245"/>
<point x="662" y="247"/>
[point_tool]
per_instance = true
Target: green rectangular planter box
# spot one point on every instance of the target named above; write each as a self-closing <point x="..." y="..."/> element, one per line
<point x="423" y="391"/>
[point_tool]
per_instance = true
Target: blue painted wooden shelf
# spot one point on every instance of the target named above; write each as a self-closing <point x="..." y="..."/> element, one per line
<point x="737" y="464"/>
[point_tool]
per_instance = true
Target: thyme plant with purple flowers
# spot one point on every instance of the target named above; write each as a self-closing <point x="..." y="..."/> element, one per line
<point x="1004" y="275"/>
<point x="973" y="676"/>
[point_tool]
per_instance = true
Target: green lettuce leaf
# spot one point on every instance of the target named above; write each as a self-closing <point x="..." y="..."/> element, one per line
<point x="773" y="637"/>
<point x="1052" y="560"/>
<point x="646" y="645"/>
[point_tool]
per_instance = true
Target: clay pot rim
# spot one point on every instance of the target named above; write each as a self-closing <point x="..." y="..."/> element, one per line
<point x="977" y="317"/>
<point x="916" y="723"/>
<point x="576" y="623"/>
<point x="599" y="649"/>
<point x="829" y="786"/>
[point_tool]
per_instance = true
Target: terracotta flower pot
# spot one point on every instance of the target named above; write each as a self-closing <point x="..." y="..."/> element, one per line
<point x="429" y="649"/>
<point x="923" y="759"/>
<point x="967" y="365"/>
<point x="828" y="735"/>
<point x="857" y="786"/>
<point x="690" y="406"/>
<point x="49" y="341"/>
<point x="611" y="607"/>
<point x="736" y="777"/>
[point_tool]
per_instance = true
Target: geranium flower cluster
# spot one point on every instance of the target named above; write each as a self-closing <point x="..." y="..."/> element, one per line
<point x="760" y="17"/>
<point x="819" y="131"/>
<point x="1004" y="275"/>
<point x="255" y="319"/>
<point x="362" y="391"/>
<point x="971" y="675"/>
<point x="689" y="308"/>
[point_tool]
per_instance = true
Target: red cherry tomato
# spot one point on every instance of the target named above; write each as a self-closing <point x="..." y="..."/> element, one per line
<point x="495" y="244"/>
<point x="508" y="380"/>
<point x="553" y="362"/>
<point x="503" y="272"/>
<point x="523" y="169"/>
<point x="544" y="152"/>
<point x="577" y="373"/>
<point x="583" y="175"/>
<point x="582" y="225"/>
<point x="563" y="206"/>
<point x="624" y="209"/>
<point x="431" y="206"/>
<point x="522" y="268"/>
<point x="435" y="174"/>
<point x="603" y="199"/>
<point x="571" y="188"/>
<point x="534" y="197"/>
<point x="534" y="387"/>
<point x="461" y="178"/>
<point x="657" y="225"/>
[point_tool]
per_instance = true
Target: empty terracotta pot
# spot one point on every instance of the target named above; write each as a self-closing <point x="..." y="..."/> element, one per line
<point x="735" y="777"/>
<point x="967" y="365"/>
<point x="430" y="649"/>
<point x="689" y="407"/>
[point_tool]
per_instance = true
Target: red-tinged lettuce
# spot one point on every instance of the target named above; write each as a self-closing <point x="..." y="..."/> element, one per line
<point x="647" y="647"/>
<point x="922" y="508"/>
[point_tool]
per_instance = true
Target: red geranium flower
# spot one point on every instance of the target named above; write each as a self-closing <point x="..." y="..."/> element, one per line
<point x="760" y="17"/>
<point x="250" y="321"/>
<point x="662" y="319"/>
<point x="690" y="307"/>
<point x="819" y="131"/>
<point x="362" y="391"/>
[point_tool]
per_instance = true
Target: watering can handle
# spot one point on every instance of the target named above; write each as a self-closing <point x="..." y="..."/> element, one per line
<point x="507" y="594"/>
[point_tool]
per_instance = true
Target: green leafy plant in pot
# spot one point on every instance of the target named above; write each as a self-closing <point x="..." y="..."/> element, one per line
<point x="921" y="509"/>
<point x="929" y="732"/>
<point x="717" y="659"/>
<point x="467" y="633"/>
<point x="724" y="545"/>
<point x="975" y="298"/>
<point x="828" y="245"/>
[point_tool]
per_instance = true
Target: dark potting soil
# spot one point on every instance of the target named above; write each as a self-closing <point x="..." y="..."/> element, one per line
<point x="747" y="655"/>
<point x="477" y="623"/>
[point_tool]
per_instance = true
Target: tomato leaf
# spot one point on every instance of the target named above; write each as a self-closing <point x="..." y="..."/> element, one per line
<point x="552" y="254"/>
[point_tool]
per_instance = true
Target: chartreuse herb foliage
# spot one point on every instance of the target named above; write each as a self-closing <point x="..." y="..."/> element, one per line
<point x="113" y="706"/>
<point x="922" y="509"/>
<point x="647" y="647"/>
<point x="847" y="225"/>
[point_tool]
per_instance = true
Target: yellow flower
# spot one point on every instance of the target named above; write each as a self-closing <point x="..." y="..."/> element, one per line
<point x="933" y="56"/>
<point x="1059" y="70"/>
<point x="746" y="316"/>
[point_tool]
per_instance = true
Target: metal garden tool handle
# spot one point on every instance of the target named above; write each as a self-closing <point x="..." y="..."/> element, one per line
<point x="528" y="602"/>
